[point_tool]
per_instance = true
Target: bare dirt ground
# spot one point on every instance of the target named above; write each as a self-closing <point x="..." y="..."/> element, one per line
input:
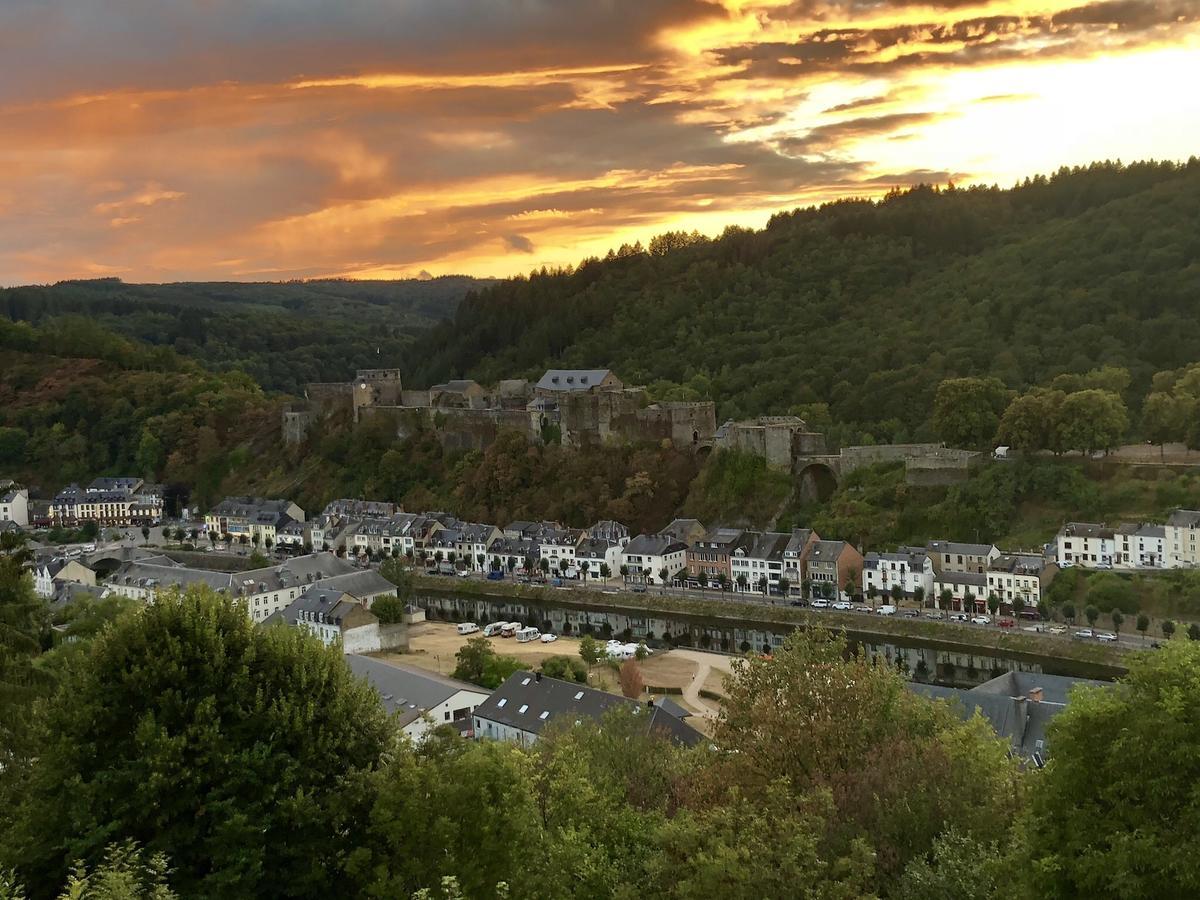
<point x="432" y="645"/>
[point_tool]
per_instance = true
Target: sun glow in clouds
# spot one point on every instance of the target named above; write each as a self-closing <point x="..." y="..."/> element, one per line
<point x="527" y="135"/>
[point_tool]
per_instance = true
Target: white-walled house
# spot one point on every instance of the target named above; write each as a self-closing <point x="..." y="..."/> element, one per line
<point x="909" y="568"/>
<point x="1182" y="530"/>
<point x="420" y="700"/>
<point x="1019" y="575"/>
<point x="648" y="554"/>
<point x="14" y="506"/>
<point x="757" y="558"/>
<point x="1141" y="546"/>
<point x="337" y="618"/>
<point x="1087" y="545"/>
<point x="597" y="552"/>
<point x="559" y="547"/>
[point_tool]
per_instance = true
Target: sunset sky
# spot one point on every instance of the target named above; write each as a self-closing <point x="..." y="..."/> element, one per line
<point x="161" y="140"/>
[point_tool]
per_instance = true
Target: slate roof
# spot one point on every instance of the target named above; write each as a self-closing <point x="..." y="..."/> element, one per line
<point x="572" y="379"/>
<point x="406" y="690"/>
<point x="1005" y="702"/>
<point x="1185" y="518"/>
<point x="547" y="700"/>
<point x="362" y="584"/>
<point x="608" y="530"/>
<point x="653" y="545"/>
<point x="957" y="547"/>
<point x="826" y="551"/>
<point x="1087" y="530"/>
<point x="972" y="579"/>
<point x="796" y="542"/>
<point x="317" y="601"/>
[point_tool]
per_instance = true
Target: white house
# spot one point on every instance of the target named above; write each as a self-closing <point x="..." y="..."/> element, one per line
<point x="49" y="576"/>
<point x="559" y="547"/>
<point x="1087" y="545"/>
<point x="339" y="619"/>
<point x="420" y="700"/>
<point x="1019" y="575"/>
<point x="757" y="558"/>
<point x="648" y="554"/>
<point x="596" y="552"/>
<point x="1141" y="546"/>
<point x="909" y="568"/>
<point x="14" y="506"/>
<point x="1182" y="529"/>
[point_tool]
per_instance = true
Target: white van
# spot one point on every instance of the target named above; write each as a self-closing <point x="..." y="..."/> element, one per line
<point x="888" y="610"/>
<point x="467" y="628"/>
<point x="493" y="628"/>
<point x="508" y="629"/>
<point x="525" y="635"/>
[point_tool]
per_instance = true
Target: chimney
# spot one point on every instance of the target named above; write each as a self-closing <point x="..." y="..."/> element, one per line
<point x="650" y="703"/>
<point x="537" y="676"/>
<point x="1035" y="695"/>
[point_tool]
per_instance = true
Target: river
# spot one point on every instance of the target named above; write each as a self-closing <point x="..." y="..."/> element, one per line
<point x="915" y="657"/>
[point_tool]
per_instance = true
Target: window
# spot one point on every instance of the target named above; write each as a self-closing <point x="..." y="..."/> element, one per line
<point x="579" y="696"/>
<point x="503" y="700"/>
<point x="524" y="706"/>
<point x="545" y="715"/>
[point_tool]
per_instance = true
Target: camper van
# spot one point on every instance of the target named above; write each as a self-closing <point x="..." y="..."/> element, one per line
<point x="525" y="635"/>
<point x="888" y="610"/>
<point x="467" y="628"/>
<point x="508" y="629"/>
<point x="493" y="628"/>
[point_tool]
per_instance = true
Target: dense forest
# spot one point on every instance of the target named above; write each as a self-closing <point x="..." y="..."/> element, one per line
<point x="867" y="306"/>
<point x="278" y="774"/>
<point x="281" y="334"/>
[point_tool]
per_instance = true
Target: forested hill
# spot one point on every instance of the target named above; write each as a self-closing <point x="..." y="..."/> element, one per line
<point x="867" y="306"/>
<point x="282" y="334"/>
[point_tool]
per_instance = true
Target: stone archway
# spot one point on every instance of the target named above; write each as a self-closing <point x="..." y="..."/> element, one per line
<point x="816" y="482"/>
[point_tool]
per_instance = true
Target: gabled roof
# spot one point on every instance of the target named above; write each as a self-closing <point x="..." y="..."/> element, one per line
<point x="318" y="602"/>
<point x="795" y="544"/>
<point x="654" y="545"/>
<point x="1184" y="518"/>
<point x="572" y="379"/>
<point x="1086" y="530"/>
<point x="405" y="689"/>
<point x="958" y="547"/>
<point x="531" y="702"/>
<point x="827" y="551"/>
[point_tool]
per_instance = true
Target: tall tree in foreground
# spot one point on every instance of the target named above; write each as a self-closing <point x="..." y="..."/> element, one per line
<point x="1117" y="813"/>
<point x="896" y="766"/>
<point x="226" y="747"/>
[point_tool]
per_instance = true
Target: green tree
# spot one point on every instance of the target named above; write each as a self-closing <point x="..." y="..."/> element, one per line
<point x="389" y="609"/>
<point x="1030" y="422"/>
<point x="240" y="780"/>
<point x="1143" y="625"/>
<point x="1168" y="628"/>
<point x="993" y="603"/>
<point x="1068" y="611"/>
<point x="568" y="668"/>
<point x="401" y="574"/>
<point x="1112" y="815"/>
<point x="906" y="766"/>
<point x="1165" y="417"/>
<point x="1092" y="614"/>
<point x="1018" y="605"/>
<point x="1117" y="620"/>
<point x="1092" y="420"/>
<point x="1193" y="632"/>
<point x="959" y="867"/>
<point x="589" y="650"/>
<point x="966" y="411"/>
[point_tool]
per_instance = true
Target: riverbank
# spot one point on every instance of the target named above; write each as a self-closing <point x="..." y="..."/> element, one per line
<point x="948" y="636"/>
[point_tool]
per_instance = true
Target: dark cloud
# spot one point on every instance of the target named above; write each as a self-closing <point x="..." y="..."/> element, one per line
<point x="519" y="242"/>
<point x="825" y="137"/>
<point x="1135" y="15"/>
<point x="858" y="104"/>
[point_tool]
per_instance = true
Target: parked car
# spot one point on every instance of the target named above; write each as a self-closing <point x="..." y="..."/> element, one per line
<point x="549" y="638"/>
<point x="1006" y="623"/>
<point x="934" y="614"/>
<point x="887" y="610"/>
<point x="1084" y="634"/>
<point x="639" y="589"/>
<point x="495" y="576"/>
<point x="958" y="617"/>
<point x="1057" y="629"/>
<point x="464" y="574"/>
<point x="1106" y="636"/>
<point x="910" y="613"/>
<point x="981" y="620"/>
<point x="820" y="604"/>
<point x="556" y="582"/>
<point x="843" y="604"/>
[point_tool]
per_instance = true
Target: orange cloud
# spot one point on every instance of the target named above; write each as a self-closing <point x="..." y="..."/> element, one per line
<point x="457" y="135"/>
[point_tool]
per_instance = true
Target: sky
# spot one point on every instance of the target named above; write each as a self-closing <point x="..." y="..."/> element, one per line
<point x="260" y="140"/>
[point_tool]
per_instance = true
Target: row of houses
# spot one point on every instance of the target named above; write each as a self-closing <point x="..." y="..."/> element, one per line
<point x="1132" y="546"/>
<point x="108" y="502"/>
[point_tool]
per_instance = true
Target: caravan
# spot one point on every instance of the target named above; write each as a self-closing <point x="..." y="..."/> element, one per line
<point x="508" y="629"/>
<point x="493" y="628"/>
<point x="525" y="635"/>
<point x="467" y="628"/>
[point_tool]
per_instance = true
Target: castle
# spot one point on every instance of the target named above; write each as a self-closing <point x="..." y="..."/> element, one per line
<point x="579" y="407"/>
